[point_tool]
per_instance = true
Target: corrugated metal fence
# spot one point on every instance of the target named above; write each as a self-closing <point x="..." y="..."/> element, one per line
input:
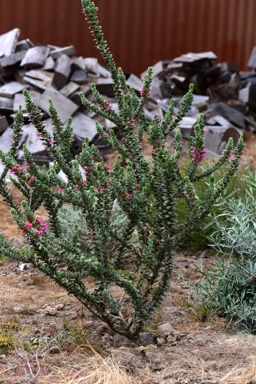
<point x="140" y="32"/>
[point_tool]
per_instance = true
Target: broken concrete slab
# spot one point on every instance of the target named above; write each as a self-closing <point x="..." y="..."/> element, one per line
<point x="6" y="105"/>
<point x="62" y="71"/>
<point x="68" y="51"/>
<point x="63" y="105"/>
<point x="230" y="114"/>
<point x="6" y="140"/>
<point x="83" y="126"/>
<point x="35" y="57"/>
<point x="3" y="124"/>
<point x="8" y="41"/>
<point x="69" y="88"/>
<point x="252" y="59"/>
<point x="19" y="100"/>
<point x="9" y="89"/>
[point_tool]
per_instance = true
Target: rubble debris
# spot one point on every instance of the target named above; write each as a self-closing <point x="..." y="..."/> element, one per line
<point x="8" y="42"/>
<point x="224" y="95"/>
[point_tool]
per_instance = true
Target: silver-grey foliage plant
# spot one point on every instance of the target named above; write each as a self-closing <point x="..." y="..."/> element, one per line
<point x="233" y="229"/>
<point x="230" y="287"/>
<point x="130" y="264"/>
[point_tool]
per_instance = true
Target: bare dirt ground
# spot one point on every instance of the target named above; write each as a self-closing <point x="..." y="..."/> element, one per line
<point x="46" y="336"/>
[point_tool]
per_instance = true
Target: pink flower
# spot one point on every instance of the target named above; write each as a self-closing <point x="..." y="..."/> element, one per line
<point x="154" y="151"/>
<point x="17" y="169"/>
<point x="60" y="190"/>
<point x="144" y="92"/>
<point x="44" y="227"/>
<point x="227" y="154"/>
<point x="127" y="194"/>
<point x="198" y="155"/>
<point x="39" y="134"/>
<point x="13" y="170"/>
<point x="132" y="121"/>
<point x="111" y="213"/>
<point x="30" y="181"/>
<point x="39" y="221"/>
<point x="137" y="185"/>
<point x="107" y="168"/>
<point x="39" y="232"/>
<point x="49" y="141"/>
<point x="142" y="139"/>
<point x="47" y="372"/>
<point x="28" y="225"/>
<point x="108" y="107"/>
<point x="34" y="114"/>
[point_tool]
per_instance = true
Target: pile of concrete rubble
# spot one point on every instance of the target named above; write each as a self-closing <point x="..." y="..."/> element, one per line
<point x="224" y="95"/>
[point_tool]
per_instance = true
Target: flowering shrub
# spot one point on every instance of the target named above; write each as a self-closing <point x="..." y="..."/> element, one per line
<point x="130" y="227"/>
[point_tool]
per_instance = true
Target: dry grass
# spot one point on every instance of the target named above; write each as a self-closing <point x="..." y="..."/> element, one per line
<point x="207" y="372"/>
<point x="242" y="375"/>
<point x="91" y="368"/>
<point x="88" y="369"/>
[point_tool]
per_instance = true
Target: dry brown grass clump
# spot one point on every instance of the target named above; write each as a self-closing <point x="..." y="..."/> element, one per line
<point x="242" y="375"/>
<point x="88" y="369"/>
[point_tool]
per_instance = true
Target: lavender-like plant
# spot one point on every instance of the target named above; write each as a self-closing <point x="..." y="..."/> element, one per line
<point x="131" y="228"/>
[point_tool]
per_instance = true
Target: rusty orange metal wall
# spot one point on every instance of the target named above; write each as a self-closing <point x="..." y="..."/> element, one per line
<point x="140" y="32"/>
